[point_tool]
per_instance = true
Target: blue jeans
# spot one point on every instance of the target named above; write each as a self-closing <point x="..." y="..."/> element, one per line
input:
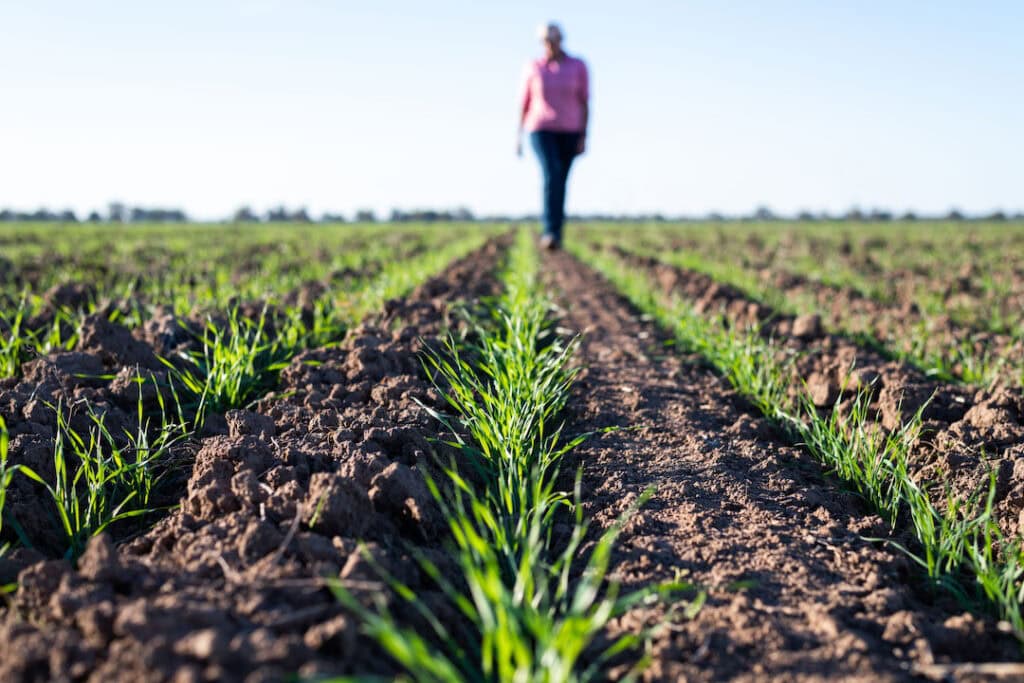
<point x="556" y="152"/>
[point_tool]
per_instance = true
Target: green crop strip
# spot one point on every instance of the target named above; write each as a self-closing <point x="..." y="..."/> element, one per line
<point x="950" y="362"/>
<point x="7" y="471"/>
<point x="959" y="544"/>
<point x="240" y="361"/>
<point x="237" y="363"/>
<point x="128" y="274"/>
<point x="530" y="604"/>
<point x="854" y="255"/>
<point x="888" y="263"/>
<point x="204" y="265"/>
<point x="18" y="343"/>
<point x="101" y="478"/>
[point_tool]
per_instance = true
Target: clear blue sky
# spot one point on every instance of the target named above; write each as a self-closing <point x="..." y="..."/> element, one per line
<point x="697" y="106"/>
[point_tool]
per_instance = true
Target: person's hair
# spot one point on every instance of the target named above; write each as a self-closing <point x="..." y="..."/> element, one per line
<point x="545" y="31"/>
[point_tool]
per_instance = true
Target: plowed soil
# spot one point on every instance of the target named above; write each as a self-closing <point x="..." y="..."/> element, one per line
<point x="967" y="432"/>
<point x="968" y="278"/>
<point x="229" y="587"/>
<point x="899" y="322"/>
<point x="734" y="503"/>
<point x="97" y="271"/>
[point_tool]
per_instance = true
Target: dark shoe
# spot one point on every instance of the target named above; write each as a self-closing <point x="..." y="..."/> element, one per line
<point x="548" y="242"/>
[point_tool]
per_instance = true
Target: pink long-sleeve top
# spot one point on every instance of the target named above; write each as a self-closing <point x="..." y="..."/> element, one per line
<point x="554" y="95"/>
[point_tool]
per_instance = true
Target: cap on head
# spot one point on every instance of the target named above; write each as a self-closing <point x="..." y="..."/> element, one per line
<point x="550" y="31"/>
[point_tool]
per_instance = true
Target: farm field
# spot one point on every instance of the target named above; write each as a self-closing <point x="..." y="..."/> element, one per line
<point x="673" y="451"/>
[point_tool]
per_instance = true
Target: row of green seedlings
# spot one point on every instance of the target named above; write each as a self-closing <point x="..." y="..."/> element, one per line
<point x="19" y="342"/>
<point x="955" y="361"/>
<point x="529" y="604"/>
<point x="241" y="360"/>
<point x="280" y="273"/>
<point x="958" y="543"/>
<point x="101" y="478"/>
<point x="149" y="264"/>
<point x="988" y="313"/>
<point x="212" y="282"/>
<point x="183" y="293"/>
<point x="935" y="252"/>
<point x="832" y="254"/>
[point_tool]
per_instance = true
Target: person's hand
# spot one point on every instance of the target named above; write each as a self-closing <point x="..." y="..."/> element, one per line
<point x="581" y="146"/>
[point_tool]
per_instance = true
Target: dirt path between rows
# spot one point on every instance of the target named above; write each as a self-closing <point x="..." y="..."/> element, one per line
<point x="734" y="503"/>
<point x="899" y="324"/>
<point x="966" y="432"/>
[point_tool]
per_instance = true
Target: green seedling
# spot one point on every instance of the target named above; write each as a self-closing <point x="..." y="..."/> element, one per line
<point x="530" y="605"/>
<point x="7" y="471"/>
<point x="958" y="545"/>
<point x="101" y="478"/>
<point x="950" y="360"/>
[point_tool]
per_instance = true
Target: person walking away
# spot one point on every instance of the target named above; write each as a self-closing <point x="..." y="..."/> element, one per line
<point x="554" y="111"/>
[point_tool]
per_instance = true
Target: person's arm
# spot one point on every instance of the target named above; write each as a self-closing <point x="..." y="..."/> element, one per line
<point x="584" y="109"/>
<point x="581" y="146"/>
<point x="524" y="107"/>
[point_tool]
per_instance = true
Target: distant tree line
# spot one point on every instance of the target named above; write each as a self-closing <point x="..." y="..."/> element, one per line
<point x="282" y="214"/>
<point x="121" y="213"/>
<point x="427" y="215"/>
<point x="116" y="213"/>
<point x="67" y="216"/>
<point x="856" y="214"/>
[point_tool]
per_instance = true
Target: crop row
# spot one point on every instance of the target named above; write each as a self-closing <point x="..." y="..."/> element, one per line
<point x="239" y="361"/>
<point x="109" y="257"/>
<point x="301" y="276"/>
<point x="957" y="541"/>
<point x="98" y="476"/>
<point x="922" y="247"/>
<point x="972" y="273"/>
<point x="530" y="602"/>
<point x="929" y="341"/>
<point x="203" y="267"/>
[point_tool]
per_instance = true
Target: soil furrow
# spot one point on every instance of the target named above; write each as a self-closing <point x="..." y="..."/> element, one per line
<point x="735" y="504"/>
<point x="230" y="587"/>
<point x="962" y="275"/>
<point x="967" y="432"/>
<point x="903" y="326"/>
